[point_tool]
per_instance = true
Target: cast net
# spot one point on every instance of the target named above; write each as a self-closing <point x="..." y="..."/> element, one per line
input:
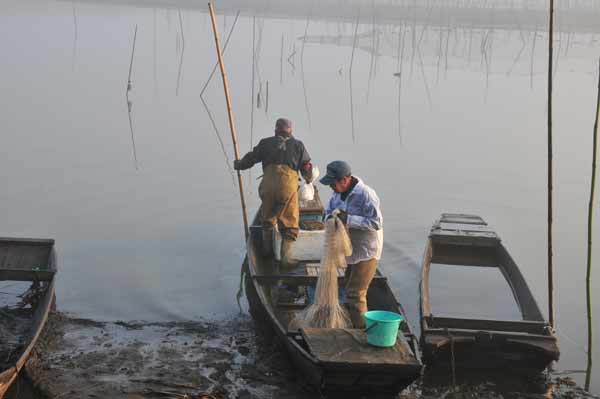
<point x="326" y="311"/>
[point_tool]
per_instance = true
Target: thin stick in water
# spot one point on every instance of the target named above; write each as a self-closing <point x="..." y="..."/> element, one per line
<point x="371" y="66"/>
<point x="302" y="72"/>
<point x="281" y="62"/>
<point x="532" y="57"/>
<point x="154" y="67"/>
<point x="588" y="276"/>
<point x="216" y="129"/>
<point x="212" y="72"/>
<point x="402" y="35"/>
<point x="75" y="35"/>
<point x="350" y="77"/>
<point x="421" y="64"/>
<point x="129" y="103"/>
<point x="267" y="99"/>
<point x="182" y="52"/>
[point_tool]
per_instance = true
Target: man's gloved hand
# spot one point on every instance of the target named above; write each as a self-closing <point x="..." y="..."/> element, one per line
<point x="236" y="165"/>
<point x="343" y="215"/>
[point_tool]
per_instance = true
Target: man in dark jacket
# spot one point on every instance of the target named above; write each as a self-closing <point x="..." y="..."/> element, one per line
<point x="282" y="157"/>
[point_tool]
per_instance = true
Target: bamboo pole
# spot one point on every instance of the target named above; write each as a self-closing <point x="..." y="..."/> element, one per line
<point x="230" y="114"/>
<point x="550" y="251"/>
<point x="588" y="286"/>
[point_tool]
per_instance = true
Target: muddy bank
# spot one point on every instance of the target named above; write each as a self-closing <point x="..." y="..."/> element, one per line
<point x="79" y="358"/>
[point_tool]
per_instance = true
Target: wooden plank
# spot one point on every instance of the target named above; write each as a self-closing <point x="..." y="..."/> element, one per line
<point x="445" y="226"/>
<point x="465" y="238"/>
<point x="341" y="345"/>
<point x="31" y="241"/>
<point x="298" y="279"/>
<point x="462" y="219"/>
<point x="521" y="326"/>
<point x="25" y="275"/>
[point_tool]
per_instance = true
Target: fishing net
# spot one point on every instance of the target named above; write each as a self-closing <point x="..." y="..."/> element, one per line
<point x="326" y="311"/>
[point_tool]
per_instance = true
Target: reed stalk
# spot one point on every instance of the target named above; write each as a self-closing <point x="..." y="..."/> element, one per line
<point x="588" y="276"/>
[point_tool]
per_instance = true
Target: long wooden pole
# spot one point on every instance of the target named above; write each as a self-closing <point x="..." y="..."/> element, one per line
<point x="230" y="114"/>
<point x="588" y="286"/>
<point x="550" y="250"/>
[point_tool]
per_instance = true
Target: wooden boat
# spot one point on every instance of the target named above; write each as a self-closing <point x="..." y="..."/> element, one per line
<point x="523" y="343"/>
<point x="27" y="269"/>
<point x="331" y="360"/>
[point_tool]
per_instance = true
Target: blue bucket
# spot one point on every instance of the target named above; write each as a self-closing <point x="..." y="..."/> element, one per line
<point x="382" y="327"/>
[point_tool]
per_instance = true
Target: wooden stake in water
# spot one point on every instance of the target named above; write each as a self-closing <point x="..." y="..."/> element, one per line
<point x="302" y="72"/>
<point x="129" y="103"/>
<point x="550" y="250"/>
<point x="182" y="52"/>
<point x="281" y="62"/>
<point x="230" y="114"/>
<point x="267" y="99"/>
<point x="350" y="77"/>
<point x="588" y="276"/>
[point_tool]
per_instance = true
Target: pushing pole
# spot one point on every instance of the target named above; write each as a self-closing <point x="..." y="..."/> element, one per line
<point x="550" y="251"/>
<point x="230" y="114"/>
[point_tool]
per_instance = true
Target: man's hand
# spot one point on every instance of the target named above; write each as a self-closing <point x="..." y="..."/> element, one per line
<point x="343" y="215"/>
<point x="236" y="165"/>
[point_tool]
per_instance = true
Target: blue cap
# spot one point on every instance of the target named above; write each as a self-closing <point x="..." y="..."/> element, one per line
<point x="335" y="171"/>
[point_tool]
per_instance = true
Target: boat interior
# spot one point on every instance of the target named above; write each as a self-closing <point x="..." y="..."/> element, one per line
<point x="339" y="345"/>
<point x="463" y="249"/>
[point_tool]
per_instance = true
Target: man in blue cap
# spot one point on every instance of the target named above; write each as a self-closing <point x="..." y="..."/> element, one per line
<point x="282" y="157"/>
<point x="358" y="207"/>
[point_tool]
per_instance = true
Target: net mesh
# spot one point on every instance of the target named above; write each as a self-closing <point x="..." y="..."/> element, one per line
<point x="326" y="311"/>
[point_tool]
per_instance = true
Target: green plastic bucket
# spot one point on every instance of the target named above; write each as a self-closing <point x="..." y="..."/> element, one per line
<point x="382" y="327"/>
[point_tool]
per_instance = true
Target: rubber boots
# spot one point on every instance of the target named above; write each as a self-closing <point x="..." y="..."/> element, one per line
<point x="267" y="242"/>
<point x="287" y="263"/>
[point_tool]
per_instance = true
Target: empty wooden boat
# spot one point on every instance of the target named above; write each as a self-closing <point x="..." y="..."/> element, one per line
<point x="518" y="339"/>
<point x="331" y="360"/>
<point x="27" y="269"/>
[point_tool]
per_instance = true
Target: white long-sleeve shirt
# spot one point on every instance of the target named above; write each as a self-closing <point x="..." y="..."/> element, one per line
<point x="365" y="221"/>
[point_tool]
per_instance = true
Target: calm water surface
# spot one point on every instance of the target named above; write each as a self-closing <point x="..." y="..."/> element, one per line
<point x="165" y="241"/>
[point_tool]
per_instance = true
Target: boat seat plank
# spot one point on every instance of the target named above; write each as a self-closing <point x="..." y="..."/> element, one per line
<point x="300" y="279"/>
<point x="339" y="345"/>
<point x="26" y="275"/>
<point x="462" y="219"/>
<point x="522" y="326"/>
<point x="464" y="237"/>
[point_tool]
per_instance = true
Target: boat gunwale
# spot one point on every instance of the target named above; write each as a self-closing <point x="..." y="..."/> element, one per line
<point x="40" y="316"/>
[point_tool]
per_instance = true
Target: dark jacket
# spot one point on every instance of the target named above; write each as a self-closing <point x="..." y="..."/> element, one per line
<point x="281" y="149"/>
